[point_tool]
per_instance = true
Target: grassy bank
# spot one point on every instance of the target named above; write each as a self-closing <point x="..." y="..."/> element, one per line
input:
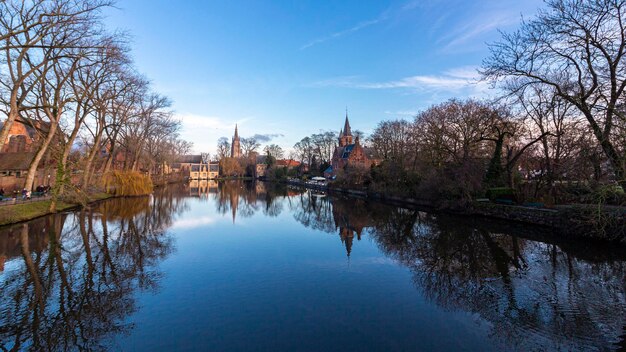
<point x="10" y="214"/>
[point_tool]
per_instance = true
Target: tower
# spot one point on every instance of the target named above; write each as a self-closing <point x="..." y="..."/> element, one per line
<point x="345" y="135"/>
<point x="235" y="146"/>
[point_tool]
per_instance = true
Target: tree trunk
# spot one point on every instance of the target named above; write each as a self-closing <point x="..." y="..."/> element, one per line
<point x="13" y="115"/>
<point x="61" y="177"/>
<point x="32" y="170"/>
<point x="89" y="162"/>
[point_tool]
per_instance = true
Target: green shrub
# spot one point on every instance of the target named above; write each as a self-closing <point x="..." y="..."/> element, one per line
<point x="127" y="183"/>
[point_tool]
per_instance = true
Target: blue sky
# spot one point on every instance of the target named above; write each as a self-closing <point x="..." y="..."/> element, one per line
<point x="287" y="69"/>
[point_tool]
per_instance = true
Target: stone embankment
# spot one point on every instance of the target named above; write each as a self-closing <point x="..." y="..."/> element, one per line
<point x="583" y="221"/>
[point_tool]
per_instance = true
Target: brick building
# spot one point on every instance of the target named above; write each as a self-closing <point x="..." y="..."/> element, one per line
<point x="23" y="140"/>
<point x="350" y="152"/>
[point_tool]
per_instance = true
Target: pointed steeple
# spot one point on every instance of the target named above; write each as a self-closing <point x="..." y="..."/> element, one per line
<point x="236" y="133"/>
<point x="346" y="127"/>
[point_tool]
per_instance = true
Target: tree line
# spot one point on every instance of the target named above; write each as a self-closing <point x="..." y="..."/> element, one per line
<point x="557" y="124"/>
<point x="74" y="82"/>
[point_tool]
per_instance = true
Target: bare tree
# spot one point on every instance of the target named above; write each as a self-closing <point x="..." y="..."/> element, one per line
<point x="577" y="49"/>
<point x="223" y="148"/>
<point x="249" y="145"/>
<point x="34" y="33"/>
<point x="274" y="151"/>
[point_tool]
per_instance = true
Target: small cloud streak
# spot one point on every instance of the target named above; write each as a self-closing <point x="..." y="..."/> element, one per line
<point x="353" y="29"/>
<point x="454" y="80"/>
<point x="382" y="17"/>
<point x="264" y="138"/>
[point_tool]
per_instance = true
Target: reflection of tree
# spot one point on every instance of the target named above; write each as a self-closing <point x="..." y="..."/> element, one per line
<point x="245" y="198"/>
<point x="74" y="284"/>
<point x="314" y="212"/>
<point x="347" y="217"/>
<point x="534" y="294"/>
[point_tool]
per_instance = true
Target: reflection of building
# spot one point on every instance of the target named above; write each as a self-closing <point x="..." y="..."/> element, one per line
<point x="235" y="146"/>
<point x="349" y="152"/>
<point x="202" y="187"/>
<point x="351" y="217"/>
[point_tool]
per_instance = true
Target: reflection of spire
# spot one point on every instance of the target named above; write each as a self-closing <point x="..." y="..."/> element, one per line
<point x="234" y="202"/>
<point x="347" y="237"/>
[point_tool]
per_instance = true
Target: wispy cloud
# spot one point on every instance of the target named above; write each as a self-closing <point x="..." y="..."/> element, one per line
<point x="458" y="80"/>
<point x="463" y="36"/>
<point x="353" y="29"/>
<point x="382" y="17"/>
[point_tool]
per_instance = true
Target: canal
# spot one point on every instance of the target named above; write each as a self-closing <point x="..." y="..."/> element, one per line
<point x="253" y="266"/>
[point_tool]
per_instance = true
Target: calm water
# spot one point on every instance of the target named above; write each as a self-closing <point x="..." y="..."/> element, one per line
<point x="245" y="266"/>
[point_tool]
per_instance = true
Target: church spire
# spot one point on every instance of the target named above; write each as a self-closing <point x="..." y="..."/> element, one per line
<point x="236" y="133"/>
<point x="346" y="127"/>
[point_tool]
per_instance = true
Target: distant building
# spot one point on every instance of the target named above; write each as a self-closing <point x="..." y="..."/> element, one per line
<point x="25" y="135"/>
<point x="288" y="163"/>
<point x="350" y="152"/>
<point x="24" y="138"/>
<point x="260" y="167"/>
<point x="235" y="146"/>
<point x="204" y="171"/>
<point x="194" y="167"/>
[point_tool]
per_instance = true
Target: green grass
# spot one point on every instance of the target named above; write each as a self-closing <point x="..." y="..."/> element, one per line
<point x="10" y="214"/>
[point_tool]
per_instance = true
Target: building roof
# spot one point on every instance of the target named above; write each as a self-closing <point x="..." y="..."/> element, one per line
<point x="16" y="161"/>
<point x="346" y="127"/>
<point x="189" y="159"/>
<point x="287" y="162"/>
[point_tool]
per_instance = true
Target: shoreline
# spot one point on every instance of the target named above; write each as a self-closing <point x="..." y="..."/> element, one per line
<point x="19" y="213"/>
<point x="576" y="221"/>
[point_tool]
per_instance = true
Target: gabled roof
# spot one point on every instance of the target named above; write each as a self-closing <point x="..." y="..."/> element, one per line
<point x="189" y="159"/>
<point x="345" y="152"/>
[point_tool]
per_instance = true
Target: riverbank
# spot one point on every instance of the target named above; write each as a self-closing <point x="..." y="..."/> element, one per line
<point x="12" y="214"/>
<point x="581" y="221"/>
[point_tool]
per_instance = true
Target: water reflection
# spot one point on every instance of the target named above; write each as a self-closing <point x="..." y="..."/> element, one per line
<point x="71" y="281"/>
<point x="535" y="295"/>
